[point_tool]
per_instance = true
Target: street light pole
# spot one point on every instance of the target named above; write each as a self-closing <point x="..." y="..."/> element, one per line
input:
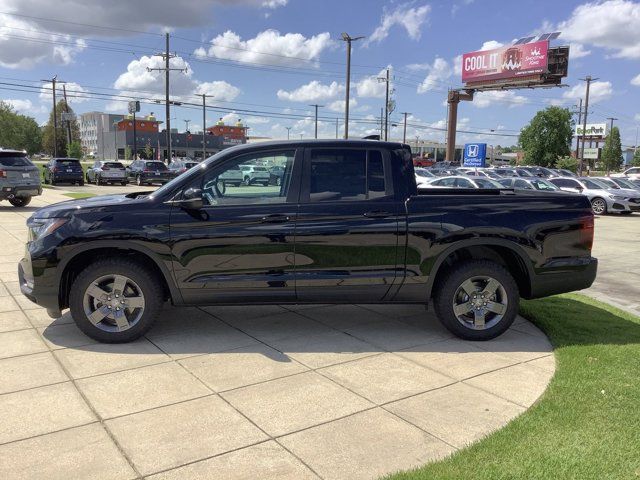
<point x="204" y="124"/>
<point x="404" y="129"/>
<point x="349" y="40"/>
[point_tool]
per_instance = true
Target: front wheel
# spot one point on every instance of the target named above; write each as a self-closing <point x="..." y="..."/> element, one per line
<point x="247" y="181"/>
<point x="599" y="206"/>
<point x="115" y="300"/>
<point x="477" y="300"/>
<point x="20" y="201"/>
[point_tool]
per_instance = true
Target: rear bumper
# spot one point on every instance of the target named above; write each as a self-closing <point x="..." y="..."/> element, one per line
<point x="21" y="191"/>
<point x="575" y="274"/>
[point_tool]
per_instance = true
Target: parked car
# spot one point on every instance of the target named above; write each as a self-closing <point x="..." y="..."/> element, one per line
<point x="478" y="172"/>
<point x="632" y="173"/>
<point x="563" y="172"/>
<point x="626" y="183"/>
<point x="542" y="172"/>
<point x="178" y="167"/>
<point x="63" y="170"/>
<point x="423" y="175"/>
<point x="232" y="176"/>
<point x="276" y="174"/>
<point x="327" y="235"/>
<point x="254" y="174"/>
<point x="512" y="172"/>
<point x="106" y="172"/>
<point x="19" y="178"/>
<point x="523" y="183"/>
<point x="603" y="199"/>
<point x="146" y="172"/>
<point x="460" y="181"/>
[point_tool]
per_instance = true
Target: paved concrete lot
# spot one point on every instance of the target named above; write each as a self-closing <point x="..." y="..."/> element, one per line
<point x="333" y="392"/>
<point x="617" y="246"/>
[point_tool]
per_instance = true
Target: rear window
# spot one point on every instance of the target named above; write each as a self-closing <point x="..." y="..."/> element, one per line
<point x="155" y="166"/>
<point x="113" y="165"/>
<point x="14" y="160"/>
<point x="68" y="163"/>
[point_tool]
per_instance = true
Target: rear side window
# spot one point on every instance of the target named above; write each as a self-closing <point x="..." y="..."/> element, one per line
<point x="14" y="160"/>
<point x="346" y="175"/>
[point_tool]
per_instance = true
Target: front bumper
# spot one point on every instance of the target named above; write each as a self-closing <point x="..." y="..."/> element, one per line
<point x="43" y="293"/>
<point x="564" y="276"/>
<point x="21" y="191"/>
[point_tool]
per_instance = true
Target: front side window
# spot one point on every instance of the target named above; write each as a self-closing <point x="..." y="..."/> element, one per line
<point x="239" y="182"/>
<point x="346" y="175"/>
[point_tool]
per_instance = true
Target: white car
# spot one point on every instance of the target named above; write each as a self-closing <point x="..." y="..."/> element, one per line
<point x="479" y="172"/>
<point x="458" y="181"/>
<point x="633" y="173"/>
<point x="603" y="199"/>
<point x="423" y="175"/>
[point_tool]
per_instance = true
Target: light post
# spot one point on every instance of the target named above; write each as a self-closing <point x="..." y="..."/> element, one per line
<point x="349" y="40"/>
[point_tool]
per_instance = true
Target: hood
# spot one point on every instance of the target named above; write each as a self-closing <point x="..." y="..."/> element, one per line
<point x="102" y="202"/>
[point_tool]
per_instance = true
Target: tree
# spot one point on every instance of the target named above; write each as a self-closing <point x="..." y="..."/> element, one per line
<point x="547" y="137"/>
<point x="127" y="152"/>
<point x="18" y="131"/>
<point x="74" y="150"/>
<point x="61" y="131"/>
<point x="636" y="158"/>
<point x="612" y="151"/>
<point x="148" y="151"/>
<point x="568" y="163"/>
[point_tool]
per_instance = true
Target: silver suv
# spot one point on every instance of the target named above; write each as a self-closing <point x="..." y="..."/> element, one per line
<point x="19" y="178"/>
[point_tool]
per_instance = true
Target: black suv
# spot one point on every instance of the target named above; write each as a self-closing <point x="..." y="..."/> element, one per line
<point x="63" y="170"/>
<point x="146" y="172"/>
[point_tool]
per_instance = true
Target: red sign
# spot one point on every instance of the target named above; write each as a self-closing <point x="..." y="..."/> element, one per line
<point x="510" y="61"/>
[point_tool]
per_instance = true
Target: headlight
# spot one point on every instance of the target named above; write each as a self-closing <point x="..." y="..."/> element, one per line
<point x="40" y="227"/>
<point x="618" y="198"/>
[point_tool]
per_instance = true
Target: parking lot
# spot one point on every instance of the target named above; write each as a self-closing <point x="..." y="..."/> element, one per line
<point x="354" y="391"/>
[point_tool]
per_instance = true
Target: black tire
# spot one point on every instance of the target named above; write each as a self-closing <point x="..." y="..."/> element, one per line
<point x="139" y="181"/>
<point x="447" y="295"/>
<point x="149" y="285"/>
<point x="20" y="201"/>
<point x="124" y="184"/>
<point x="599" y="206"/>
<point x="81" y="182"/>
<point x="44" y="179"/>
<point x="247" y="181"/>
<point x="52" y="180"/>
<point x="97" y="179"/>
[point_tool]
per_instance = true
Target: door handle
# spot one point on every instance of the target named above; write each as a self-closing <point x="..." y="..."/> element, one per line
<point x="377" y="214"/>
<point x="275" y="218"/>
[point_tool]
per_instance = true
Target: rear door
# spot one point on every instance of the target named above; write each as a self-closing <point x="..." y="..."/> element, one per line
<point x="347" y="227"/>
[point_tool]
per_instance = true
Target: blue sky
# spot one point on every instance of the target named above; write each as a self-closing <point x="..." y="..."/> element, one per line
<point x="275" y="57"/>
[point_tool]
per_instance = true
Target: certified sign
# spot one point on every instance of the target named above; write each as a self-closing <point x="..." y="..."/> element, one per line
<point x="475" y="155"/>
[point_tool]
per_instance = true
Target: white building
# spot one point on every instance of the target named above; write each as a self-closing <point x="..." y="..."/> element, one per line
<point x="92" y="127"/>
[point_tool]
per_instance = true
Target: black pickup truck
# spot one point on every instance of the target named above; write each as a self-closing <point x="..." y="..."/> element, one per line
<point x="346" y="225"/>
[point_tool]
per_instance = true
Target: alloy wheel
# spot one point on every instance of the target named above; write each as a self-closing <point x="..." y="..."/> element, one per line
<point x="480" y="302"/>
<point x="599" y="206"/>
<point x="113" y="303"/>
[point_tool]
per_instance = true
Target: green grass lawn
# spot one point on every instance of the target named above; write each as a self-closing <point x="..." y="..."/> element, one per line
<point x="78" y="195"/>
<point x="587" y="423"/>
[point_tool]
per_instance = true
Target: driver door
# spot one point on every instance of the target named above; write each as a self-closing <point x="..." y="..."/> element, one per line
<point x="241" y="243"/>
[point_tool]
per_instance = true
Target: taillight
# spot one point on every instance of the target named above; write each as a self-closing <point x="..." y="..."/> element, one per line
<point x="3" y="174"/>
<point x="586" y="232"/>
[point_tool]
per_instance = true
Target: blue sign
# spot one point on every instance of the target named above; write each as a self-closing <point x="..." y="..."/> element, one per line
<point x="475" y="155"/>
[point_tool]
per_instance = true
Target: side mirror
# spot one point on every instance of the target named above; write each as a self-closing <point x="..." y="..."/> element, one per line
<point x="191" y="199"/>
<point x="580" y="189"/>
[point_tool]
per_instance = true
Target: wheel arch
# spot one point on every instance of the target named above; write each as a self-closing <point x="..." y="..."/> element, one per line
<point x="71" y="266"/>
<point x="502" y="252"/>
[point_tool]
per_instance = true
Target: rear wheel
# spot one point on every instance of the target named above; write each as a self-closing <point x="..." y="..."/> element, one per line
<point x="53" y="180"/>
<point x="478" y="300"/>
<point x="139" y="181"/>
<point x="81" y="182"/>
<point x="124" y="184"/>
<point x="115" y="301"/>
<point x="599" y="206"/>
<point x="97" y="179"/>
<point x="20" y="201"/>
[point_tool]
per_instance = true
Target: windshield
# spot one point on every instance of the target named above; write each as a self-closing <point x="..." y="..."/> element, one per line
<point x="625" y="183"/>
<point x="486" y="183"/>
<point x="594" y="184"/>
<point x="609" y="183"/>
<point x="424" y="173"/>
<point x="543" y="185"/>
<point x="14" y="161"/>
<point x="155" y="166"/>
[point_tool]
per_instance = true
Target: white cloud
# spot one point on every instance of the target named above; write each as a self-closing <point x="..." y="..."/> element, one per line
<point x="20" y="105"/>
<point x="439" y="72"/>
<point x="338" y="105"/>
<point x="140" y="15"/>
<point x="492" y="97"/>
<point x="21" y="47"/>
<point x="372" y="87"/>
<point x="636" y="80"/>
<point x="75" y="93"/>
<point x="611" y="24"/>
<point x="406" y="16"/>
<point x="578" y="50"/>
<point x="637" y="117"/>
<point x="598" y="91"/>
<point x="267" y="47"/>
<point x="313" y="91"/>
<point x="457" y="65"/>
<point x="491" y="44"/>
<point x="138" y="81"/>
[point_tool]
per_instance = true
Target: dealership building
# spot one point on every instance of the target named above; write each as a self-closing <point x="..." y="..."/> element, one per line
<point x="151" y="140"/>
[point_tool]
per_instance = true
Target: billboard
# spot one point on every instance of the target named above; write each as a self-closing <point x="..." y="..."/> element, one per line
<point x="592" y="153"/>
<point x="475" y="155"/>
<point x="593" y="130"/>
<point x="508" y="62"/>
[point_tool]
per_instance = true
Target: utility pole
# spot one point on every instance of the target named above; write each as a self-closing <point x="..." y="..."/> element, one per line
<point x="386" y="105"/>
<point x="349" y="40"/>
<point x="579" y="112"/>
<point x="381" y="123"/>
<point x="66" y="110"/>
<point x="55" y="115"/>
<point x="316" y="107"/>
<point x="167" y="56"/>
<point x="204" y="124"/>
<point x="587" y="79"/>
<point x="404" y="129"/>
<point x="186" y="125"/>
<point x="337" y="129"/>
<point x="288" y="132"/>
